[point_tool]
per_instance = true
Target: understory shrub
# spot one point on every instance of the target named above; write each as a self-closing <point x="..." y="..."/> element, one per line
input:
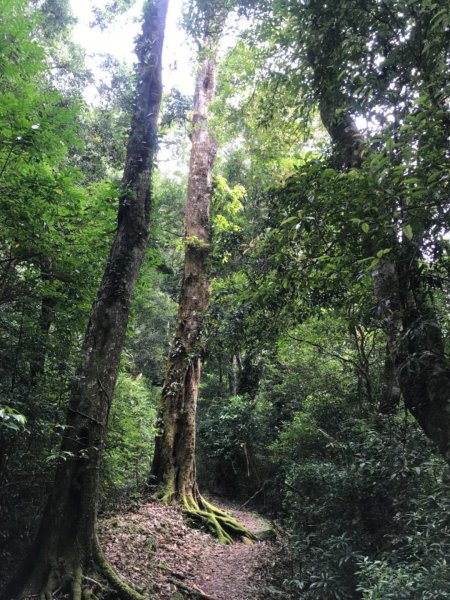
<point x="366" y="504"/>
<point x="232" y="446"/>
<point x="130" y="441"/>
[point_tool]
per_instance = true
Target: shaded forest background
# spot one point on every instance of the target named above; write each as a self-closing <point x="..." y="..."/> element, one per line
<point x="324" y="397"/>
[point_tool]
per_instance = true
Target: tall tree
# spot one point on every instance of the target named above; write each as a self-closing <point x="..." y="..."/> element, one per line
<point x="174" y="467"/>
<point x="349" y="146"/>
<point x="415" y="341"/>
<point x="387" y="63"/>
<point x="66" y="549"/>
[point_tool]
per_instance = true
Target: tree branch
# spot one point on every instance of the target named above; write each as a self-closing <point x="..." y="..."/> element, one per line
<point x="328" y="352"/>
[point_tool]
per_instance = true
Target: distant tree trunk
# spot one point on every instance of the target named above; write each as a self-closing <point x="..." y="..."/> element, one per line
<point x="233" y="375"/>
<point x="174" y="466"/>
<point x="250" y="373"/>
<point x="390" y="390"/>
<point x="386" y="291"/>
<point x="415" y="340"/>
<point x="66" y="548"/>
<point x="48" y="303"/>
<point x="362" y="365"/>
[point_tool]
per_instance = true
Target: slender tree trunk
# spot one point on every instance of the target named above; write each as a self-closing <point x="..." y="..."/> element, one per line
<point x="66" y="547"/>
<point x="174" y="466"/>
<point x="233" y="375"/>
<point x="390" y="390"/>
<point x="174" y="460"/>
<point x="386" y="291"/>
<point x="48" y="303"/>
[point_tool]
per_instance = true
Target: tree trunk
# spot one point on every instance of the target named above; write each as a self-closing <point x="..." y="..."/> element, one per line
<point x="415" y="340"/>
<point x="233" y="375"/>
<point x="174" y="466"/>
<point x="174" y="460"/>
<point x="48" y="303"/>
<point x="66" y="548"/>
<point x="390" y="391"/>
<point x="423" y="369"/>
<point x="386" y="291"/>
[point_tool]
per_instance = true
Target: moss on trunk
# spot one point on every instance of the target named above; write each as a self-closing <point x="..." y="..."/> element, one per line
<point x="174" y="468"/>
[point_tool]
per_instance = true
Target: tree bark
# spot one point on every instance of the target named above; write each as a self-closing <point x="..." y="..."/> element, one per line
<point x="423" y="369"/>
<point x="390" y="390"/>
<point x="66" y="547"/>
<point x="174" y="460"/>
<point x="233" y="375"/>
<point x="174" y="465"/>
<point x="386" y="291"/>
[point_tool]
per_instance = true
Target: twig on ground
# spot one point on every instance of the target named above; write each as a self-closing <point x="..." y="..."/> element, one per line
<point x="92" y="581"/>
<point x="254" y="496"/>
<point x="193" y="589"/>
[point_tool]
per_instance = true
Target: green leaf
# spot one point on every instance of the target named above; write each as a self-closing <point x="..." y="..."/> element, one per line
<point x="365" y="227"/>
<point x="407" y="230"/>
<point x="289" y="220"/>
<point x="383" y="252"/>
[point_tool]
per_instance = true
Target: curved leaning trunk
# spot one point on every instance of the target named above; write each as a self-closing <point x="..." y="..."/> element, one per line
<point x="347" y="140"/>
<point x="423" y="369"/>
<point x="66" y="548"/>
<point x="414" y="338"/>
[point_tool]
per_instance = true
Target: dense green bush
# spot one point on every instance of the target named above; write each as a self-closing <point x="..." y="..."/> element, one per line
<point x="361" y="496"/>
<point x="366" y="505"/>
<point x="415" y="563"/>
<point x="231" y="440"/>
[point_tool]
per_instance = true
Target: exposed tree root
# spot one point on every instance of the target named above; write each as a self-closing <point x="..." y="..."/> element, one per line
<point x="83" y="580"/>
<point x="219" y="523"/>
<point x="120" y="588"/>
<point x="80" y="586"/>
<point x="192" y="590"/>
<point x="167" y="493"/>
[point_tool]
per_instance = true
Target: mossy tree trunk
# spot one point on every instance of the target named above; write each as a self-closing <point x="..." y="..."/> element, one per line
<point x="174" y="466"/>
<point x="66" y="554"/>
<point x="174" y="461"/>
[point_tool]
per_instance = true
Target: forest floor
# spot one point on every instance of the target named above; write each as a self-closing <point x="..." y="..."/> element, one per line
<point x="154" y="547"/>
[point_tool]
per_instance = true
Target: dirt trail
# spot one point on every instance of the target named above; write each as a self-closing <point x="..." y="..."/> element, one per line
<point x="156" y="549"/>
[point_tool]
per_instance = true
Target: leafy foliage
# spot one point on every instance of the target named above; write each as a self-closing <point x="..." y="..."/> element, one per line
<point x="130" y="440"/>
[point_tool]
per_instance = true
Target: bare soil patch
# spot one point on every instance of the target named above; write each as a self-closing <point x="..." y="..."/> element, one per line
<point x="156" y="549"/>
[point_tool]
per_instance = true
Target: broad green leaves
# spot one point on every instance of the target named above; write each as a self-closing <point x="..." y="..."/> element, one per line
<point x="11" y="419"/>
